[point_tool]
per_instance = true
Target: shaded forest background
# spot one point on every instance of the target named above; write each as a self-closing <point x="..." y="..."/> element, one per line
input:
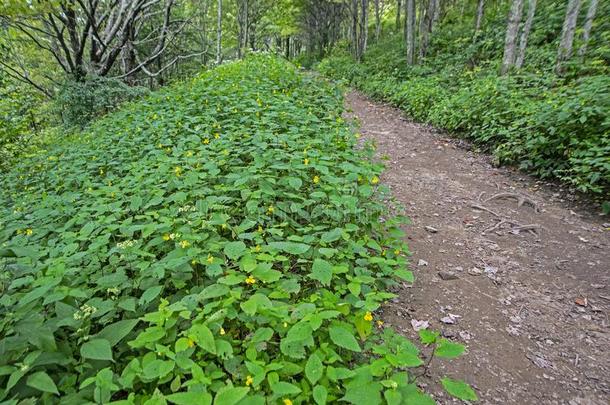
<point x="525" y="80"/>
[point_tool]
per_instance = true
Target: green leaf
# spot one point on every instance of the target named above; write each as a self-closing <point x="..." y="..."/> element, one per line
<point x="332" y="236"/>
<point x="150" y="294"/>
<point x="322" y="271"/>
<point x="190" y="398"/>
<point x="96" y="349"/>
<point x="42" y="382"/>
<point x="405" y="275"/>
<point x="320" y="394"/>
<point x="314" y="369"/>
<point x="448" y="349"/>
<point x="230" y="395"/>
<point x="202" y="335"/>
<point x="344" y="338"/>
<point x="290" y="247"/>
<point x="115" y="332"/>
<point x="285" y="388"/>
<point x="295" y="182"/>
<point x="235" y="250"/>
<point x="427" y="337"/>
<point x="459" y="389"/>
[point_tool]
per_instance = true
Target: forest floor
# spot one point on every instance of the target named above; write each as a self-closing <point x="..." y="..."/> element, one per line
<point x="515" y="268"/>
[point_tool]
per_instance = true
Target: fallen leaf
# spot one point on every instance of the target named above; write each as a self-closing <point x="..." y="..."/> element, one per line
<point x="581" y="301"/>
<point x="419" y="325"/>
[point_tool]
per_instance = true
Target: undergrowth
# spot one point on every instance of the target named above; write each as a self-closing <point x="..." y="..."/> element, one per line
<point x="223" y="240"/>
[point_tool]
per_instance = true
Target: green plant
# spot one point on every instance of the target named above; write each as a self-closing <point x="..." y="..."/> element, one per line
<point x="221" y="240"/>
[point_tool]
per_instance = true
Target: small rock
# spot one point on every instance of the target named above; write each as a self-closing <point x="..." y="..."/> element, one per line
<point x="465" y="335"/>
<point x="422" y="262"/>
<point x="450" y="319"/>
<point x="431" y="229"/>
<point x="475" y="272"/>
<point x="447" y="275"/>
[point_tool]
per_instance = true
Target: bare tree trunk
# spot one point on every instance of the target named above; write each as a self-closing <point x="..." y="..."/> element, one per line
<point x="364" y="24"/>
<point x="427" y="28"/>
<point x="410" y="30"/>
<point x="479" y="18"/>
<point x="567" y="34"/>
<point x="355" y="37"/>
<point x="398" y="10"/>
<point x="437" y="12"/>
<point x="587" y="29"/>
<point x="377" y="21"/>
<point x="512" y="30"/>
<point x="531" y="10"/>
<point x="219" y="34"/>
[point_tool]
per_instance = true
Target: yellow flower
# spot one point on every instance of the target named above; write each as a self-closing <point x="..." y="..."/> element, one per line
<point x="210" y="259"/>
<point x="223" y="226"/>
<point x="184" y="244"/>
<point x="270" y="209"/>
<point x="28" y="232"/>
<point x="189" y="153"/>
<point x="380" y="323"/>
<point x="101" y="172"/>
<point x="257" y="248"/>
<point x="250" y="280"/>
<point x="396" y="251"/>
<point x="249" y="380"/>
<point x="285" y="324"/>
<point x="316" y="179"/>
<point x="305" y="162"/>
<point x="190" y="342"/>
<point x="260" y="229"/>
<point x="206" y="141"/>
<point x="368" y="316"/>
<point x="178" y="171"/>
<point x="166" y="237"/>
<point x="216" y="136"/>
<point x="383" y="252"/>
<point x="375" y="180"/>
<point x="287" y="401"/>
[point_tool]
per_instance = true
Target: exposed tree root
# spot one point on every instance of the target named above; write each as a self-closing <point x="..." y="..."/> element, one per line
<point x="521" y="199"/>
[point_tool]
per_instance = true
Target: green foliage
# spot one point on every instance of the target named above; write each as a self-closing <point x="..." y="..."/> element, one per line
<point x="78" y="103"/>
<point x="552" y="127"/>
<point x="459" y="389"/>
<point x="220" y="240"/>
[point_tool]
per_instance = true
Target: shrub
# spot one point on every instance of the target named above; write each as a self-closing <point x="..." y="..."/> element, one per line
<point x="220" y="239"/>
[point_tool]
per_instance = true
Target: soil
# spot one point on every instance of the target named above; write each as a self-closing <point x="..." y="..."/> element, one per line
<point x="525" y="275"/>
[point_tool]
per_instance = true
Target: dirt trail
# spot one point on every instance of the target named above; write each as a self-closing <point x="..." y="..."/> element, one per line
<point x="532" y="302"/>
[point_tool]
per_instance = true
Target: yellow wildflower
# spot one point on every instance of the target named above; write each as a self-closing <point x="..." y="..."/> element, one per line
<point x="287" y="401"/>
<point x="189" y="153"/>
<point x="285" y="324"/>
<point x="166" y="237"/>
<point x="257" y="248"/>
<point x="260" y="229"/>
<point x="29" y="231"/>
<point x="222" y="331"/>
<point x="206" y="141"/>
<point x="316" y="179"/>
<point x="380" y="323"/>
<point x="178" y="171"/>
<point x="101" y="172"/>
<point x="250" y="280"/>
<point x="210" y="259"/>
<point x="375" y="180"/>
<point x="305" y="161"/>
<point x="223" y="226"/>
<point x="270" y="209"/>
<point x="216" y="136"/>
<point x="396" y="251"/>
<point x="249" y="380"/>
<point x="184" y="244"/>
<point x="191" y="342"/>
<point x="368" y="316"/>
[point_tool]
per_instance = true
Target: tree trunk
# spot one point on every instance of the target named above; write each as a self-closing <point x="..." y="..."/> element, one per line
<point x="567" y="35"/>
<point x="512" y="30"/>
<point x="427" y="28"/>
<point x="355" y="37"/>
<point x="587" y="29"/>
<point x="479" y="18"/>
<point x="398" y="10"/>
<point x="437" y="12"/>
<point x="410" y="30"/>
<point x="531" y="10"/>
<point x="377" y="21"/>
<point x="219" y="34"/>
<point x="364" y="24"/>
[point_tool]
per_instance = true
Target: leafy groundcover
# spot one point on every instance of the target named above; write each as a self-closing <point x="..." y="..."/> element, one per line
<point x="222" y="241"/>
